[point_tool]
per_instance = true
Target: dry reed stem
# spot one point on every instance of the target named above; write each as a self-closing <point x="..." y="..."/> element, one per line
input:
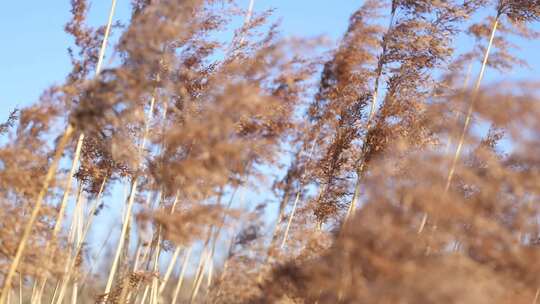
<point x="20" y="288"/>
<point x="35" y="212"/>
<point x="55" y="291"/>
<point x="59" y="219"/>
<point x="471" y="105"/>
<point x="156" y="287"/>
<point x="145" y="294"/>
<point x="201" y="268"/>
<point x="199" y="274"/>
<point x="372" y="110"/>
<point x="137" y="254"/>
<point x="120" y="244"/>
<point x="83" y="232"/>
<point x="468" y="118"/>
<point x="147" y="254"/>
<point x="209" y="274"/>
<point x="274" y="234"/>
<point x="185" y="263"/>
<point x="63" y="203"/>
<point x="129" y="207"/>
<point x="170" y="268"/>
<point x="174" y="257"/>
<point x="155" y="268"/>
<point x="209" y="261"/>
<point x="80" y="141"/>
<point x="86" y="229"/>
<point x="465" y="85"/>
<point x="141" y="246"/>
<point x="80" y="231"/>
<point x="289" y="221"/>
<point x="297" y="198"/>
<point x="448" y="144"/>
<point x="247" y="19"/>
<point x="71" y="241"/>
<point x="105" y="37"/>
<point x="125" y="295"/>
<point x="279" y="220"/>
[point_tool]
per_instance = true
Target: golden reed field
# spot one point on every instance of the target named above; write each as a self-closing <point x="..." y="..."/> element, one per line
<point x="383" y="168"/>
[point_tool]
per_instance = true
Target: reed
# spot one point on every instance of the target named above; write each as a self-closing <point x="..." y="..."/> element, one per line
<point x="204" y="134"/>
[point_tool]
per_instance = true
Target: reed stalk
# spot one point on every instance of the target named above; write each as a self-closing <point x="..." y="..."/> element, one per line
<point x="468" y="117"/>
<point x="129" y="207"/>
<point x="470" y="110"/>
<point x="35" y="213"/>
<point x="181" y="276"/>
<point x="373" y="109"/>
<point x="76" y="156"/>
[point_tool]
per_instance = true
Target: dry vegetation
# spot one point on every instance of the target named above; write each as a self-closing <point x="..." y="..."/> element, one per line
<point x="396" y="175"/>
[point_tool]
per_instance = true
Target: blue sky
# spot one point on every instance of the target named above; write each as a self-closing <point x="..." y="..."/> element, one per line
<point x="33" y="55"/>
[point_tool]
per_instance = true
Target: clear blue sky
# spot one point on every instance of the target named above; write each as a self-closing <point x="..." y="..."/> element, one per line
<point x="33" y="54"/>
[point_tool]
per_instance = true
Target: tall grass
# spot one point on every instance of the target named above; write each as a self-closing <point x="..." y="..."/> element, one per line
<point x="206" y="133"/>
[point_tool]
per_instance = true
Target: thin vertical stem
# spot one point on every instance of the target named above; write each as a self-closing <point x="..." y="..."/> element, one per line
<point x="471" y="106"/>
<point x="289" y="221"/>
<point x="105" y="37"/>
<point x="170" y="269"/>
<point x="181" y="276"/>
<point x="423" y="222"/>
<point x="129" y="207"/>
<point x="91" y="215"/>
<point x="465" y="85"/>
<point x="20" y="288"/>
<point x="35" y="213"/>
<point x="297" y="198"/>
<point x="470" y="110"/>
<point x="155" y="279"/>
<point x="145" y="294"/>
<point x="199" y="275"/>
<point x="72" y="241"/>
<point x="174" y="257"/>
<point x="372" y="111"/>
<point x="80" y="141"/>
